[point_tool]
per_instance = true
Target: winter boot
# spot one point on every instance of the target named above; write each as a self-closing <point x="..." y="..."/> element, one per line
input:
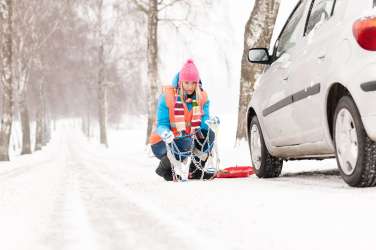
<point x="196" y="173"/>
<point x="164" y="169"/>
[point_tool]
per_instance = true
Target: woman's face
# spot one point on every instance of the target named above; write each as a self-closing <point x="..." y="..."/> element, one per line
<point x="189" y="87"/>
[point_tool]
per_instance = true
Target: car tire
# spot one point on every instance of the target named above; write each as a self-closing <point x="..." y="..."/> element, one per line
<point x="265" y="165"/>
<point x="355" y="151"/>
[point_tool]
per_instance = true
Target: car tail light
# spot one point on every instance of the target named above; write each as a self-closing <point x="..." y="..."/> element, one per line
<point x="364" y="31"/>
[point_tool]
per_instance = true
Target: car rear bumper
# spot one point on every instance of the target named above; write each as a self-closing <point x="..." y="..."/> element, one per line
<point x="363" y="89"/>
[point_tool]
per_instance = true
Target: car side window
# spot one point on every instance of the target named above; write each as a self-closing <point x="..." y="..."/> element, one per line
<point x="290" y="34"/>
<point x="321" y="10"/>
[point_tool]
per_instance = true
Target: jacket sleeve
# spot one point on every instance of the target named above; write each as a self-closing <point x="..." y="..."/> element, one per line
<point x="163" y="116"/>
<point x="206" y="116"/>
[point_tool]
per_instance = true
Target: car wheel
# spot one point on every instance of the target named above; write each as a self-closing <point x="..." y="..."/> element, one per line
<point x="355" y="151"/>
<point x="265" y="165"/>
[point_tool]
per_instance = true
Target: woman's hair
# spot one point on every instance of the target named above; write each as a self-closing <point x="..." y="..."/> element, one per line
<point x="197" y="92"/>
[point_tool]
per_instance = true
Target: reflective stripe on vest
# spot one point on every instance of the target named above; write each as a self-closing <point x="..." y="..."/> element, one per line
<point x="170" y="93"/>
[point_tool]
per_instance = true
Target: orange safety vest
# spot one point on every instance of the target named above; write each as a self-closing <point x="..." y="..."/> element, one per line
<point x="170" y="94"/>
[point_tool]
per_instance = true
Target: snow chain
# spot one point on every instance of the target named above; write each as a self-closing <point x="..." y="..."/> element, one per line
<point x="180" y="167"/>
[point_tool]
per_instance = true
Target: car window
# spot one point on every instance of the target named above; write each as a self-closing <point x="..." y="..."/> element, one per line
<point x="321" y="10"/>
<point x="290" y="33"/>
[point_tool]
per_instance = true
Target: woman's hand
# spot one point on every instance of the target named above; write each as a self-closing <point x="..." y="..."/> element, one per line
<point x="168" y="136"/>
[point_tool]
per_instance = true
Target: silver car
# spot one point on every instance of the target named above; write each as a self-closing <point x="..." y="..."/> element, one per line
<point x="317" y="97"/>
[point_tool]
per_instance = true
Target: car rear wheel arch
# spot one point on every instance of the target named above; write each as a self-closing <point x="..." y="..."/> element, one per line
<point x="335" y="93"/>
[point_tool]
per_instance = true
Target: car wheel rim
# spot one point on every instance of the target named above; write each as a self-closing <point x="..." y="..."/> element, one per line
<point x="346" y="141"/>
<point x="255" y="147"/>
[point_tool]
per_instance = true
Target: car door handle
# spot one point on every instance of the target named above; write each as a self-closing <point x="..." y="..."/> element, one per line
<point x="322" y="57"/>
<point x="286" y="79"/>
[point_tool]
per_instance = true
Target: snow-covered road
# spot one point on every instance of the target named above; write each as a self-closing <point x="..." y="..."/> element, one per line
<point x="73" y="195"/>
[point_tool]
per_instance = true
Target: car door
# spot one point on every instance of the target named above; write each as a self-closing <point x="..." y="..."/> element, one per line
<point x="273" y="97"/>
<point x="277" y="109"/>
<point x="308" y="72"/>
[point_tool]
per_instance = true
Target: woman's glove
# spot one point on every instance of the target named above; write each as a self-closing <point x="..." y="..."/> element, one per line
<point x="213" y="120"/>
<point x="167" y="136"/>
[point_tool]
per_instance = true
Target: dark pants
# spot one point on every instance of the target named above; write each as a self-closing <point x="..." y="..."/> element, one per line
<point x="183" y="144"/>
<point x="208" y="145"/>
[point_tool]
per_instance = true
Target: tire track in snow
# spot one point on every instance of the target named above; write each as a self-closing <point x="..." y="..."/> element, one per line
<point x="27" y="199"/>
<point x="23" y="170"/>
<point x="33" y="162"/>
<point x="152" y="227"/>
<point x="70" y="228"/>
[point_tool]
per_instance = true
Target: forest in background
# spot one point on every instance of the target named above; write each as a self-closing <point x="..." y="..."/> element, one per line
<point x="97" y="60"/>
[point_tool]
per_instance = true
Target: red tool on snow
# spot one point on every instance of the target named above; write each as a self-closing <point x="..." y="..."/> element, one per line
<point x="235" y="172"/>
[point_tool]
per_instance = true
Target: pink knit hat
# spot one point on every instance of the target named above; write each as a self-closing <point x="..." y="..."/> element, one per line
<point x="189" y="72"/>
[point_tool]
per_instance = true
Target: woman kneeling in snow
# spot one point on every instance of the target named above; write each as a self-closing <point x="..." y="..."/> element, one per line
<point x="182" y="111"/>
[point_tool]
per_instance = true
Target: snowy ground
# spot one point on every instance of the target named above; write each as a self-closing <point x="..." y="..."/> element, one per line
<point x="77" y="195"/>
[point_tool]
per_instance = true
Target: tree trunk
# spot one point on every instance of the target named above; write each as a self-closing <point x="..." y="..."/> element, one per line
<point x="87" y="121"/>
<point x="39" y="131"/>
<point x="25" y="125"/>
<point x="102" y="98"/>
<point x="6" y="13"/>
<point x="39" y="123"/>
<point x="88" y="125"/>
<point x="102" y="89"/>
<point x="83" y="125"/>
<point x="258" y="33"/>
<point x="46" y="121"/>
<point x="152" y="56"/>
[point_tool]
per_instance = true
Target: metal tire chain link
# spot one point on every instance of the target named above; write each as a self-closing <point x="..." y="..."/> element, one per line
<point x="196" y="163"/>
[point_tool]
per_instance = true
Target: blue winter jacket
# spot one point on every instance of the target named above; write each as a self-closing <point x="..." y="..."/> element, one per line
<point x="163" y="120"/>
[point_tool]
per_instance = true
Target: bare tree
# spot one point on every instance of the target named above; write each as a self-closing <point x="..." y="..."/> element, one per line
<point x="75" y="66"/>
<point x="130" y="64"/>
<point x="40" y="123"/>
<point x="35" y="22"/>
<point x="258" y="33"/>
<point x="103" y="33"/>
<point x="6" y="16"/>
<point x="39" y="26"/>
<point x="152" y="9"/>
<point x="102" y="88"/>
